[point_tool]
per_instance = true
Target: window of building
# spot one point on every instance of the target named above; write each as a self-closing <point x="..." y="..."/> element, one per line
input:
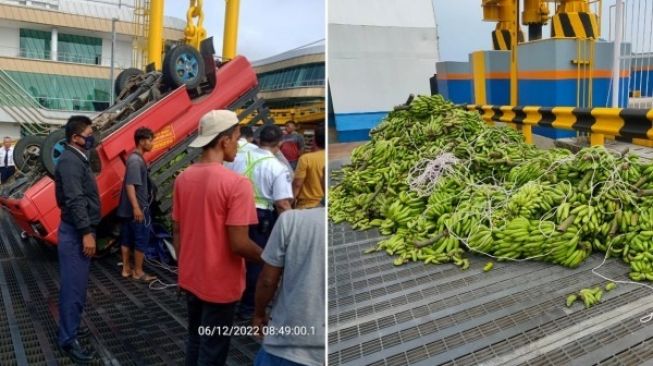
<point x="35" y="44"/>
<point x="293" y="77"/>
<point x="65" y="92"/>
<point x="79" y="49"/>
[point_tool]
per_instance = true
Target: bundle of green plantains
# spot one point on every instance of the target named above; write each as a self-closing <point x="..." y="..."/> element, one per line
<point x="440" y="183"/>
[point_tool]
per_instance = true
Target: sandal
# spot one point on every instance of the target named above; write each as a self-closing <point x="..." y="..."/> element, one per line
<point x="127" y="275"/>
<point x="144" y="278"/>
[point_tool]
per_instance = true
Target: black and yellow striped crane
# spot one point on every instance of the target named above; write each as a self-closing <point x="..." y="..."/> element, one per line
<point x="573" y="19"/>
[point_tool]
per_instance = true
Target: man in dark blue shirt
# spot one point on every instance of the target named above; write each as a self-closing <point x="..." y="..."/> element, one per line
<point x="77" y="197"/>
<point x="134" y="208"/>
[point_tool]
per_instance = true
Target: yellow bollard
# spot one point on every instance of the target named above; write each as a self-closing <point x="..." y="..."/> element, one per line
<point x="597" y="139"/>
<point x="527" y="131"/>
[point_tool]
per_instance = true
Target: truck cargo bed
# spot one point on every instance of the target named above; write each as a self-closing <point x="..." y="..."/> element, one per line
<point x="129" y="323"/>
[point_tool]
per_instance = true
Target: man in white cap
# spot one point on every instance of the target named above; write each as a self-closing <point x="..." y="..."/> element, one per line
<point x="212" y="210"/>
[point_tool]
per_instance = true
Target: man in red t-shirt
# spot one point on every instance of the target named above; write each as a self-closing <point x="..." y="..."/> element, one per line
<point x="292" y="145"/>
<point x="212" y="210"/>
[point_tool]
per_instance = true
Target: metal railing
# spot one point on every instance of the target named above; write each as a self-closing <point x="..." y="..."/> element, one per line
<point x="46" y="55"/>
<point x="625" y="124"/>
<point x="25" y="109"/>
<point x="291" y="85"/>
<point x="636" y="29"/>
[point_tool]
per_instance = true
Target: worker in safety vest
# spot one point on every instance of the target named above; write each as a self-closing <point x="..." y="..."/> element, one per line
<point x="246" y="140"/>
<point x="245" y="143"/>
<point x="272" y="183"/>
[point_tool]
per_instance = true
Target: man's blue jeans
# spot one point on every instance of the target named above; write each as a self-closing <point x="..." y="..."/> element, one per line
<point x="74" y="269"/>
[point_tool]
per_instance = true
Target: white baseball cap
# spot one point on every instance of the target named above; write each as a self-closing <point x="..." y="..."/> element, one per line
<point x="212" y="124"/>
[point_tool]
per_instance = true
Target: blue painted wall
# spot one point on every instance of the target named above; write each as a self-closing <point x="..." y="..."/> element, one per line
<point x="356" y="126"/>
<point x="457" y="91"/>
<point x="646" y="80"/>
<point x="498" y="91"/>
<point x="559" y="93"/>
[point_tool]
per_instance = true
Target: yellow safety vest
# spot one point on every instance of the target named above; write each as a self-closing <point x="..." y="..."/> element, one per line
<point x="249" y="173"/>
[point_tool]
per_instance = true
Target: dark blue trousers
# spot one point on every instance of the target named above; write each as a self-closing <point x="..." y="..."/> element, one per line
<point x="206" y="349"/>
<point x="74" y="268"/>
<point x="259" y="234"/>
<point x="6" y="173"/>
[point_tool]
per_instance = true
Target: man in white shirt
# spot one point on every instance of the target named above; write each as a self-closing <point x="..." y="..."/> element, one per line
<point x="7" y="168"/>
<point x="272" y="183"/>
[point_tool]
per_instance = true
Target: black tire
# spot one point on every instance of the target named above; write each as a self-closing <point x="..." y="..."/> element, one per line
<point x="51" y="150"/>
<point x="183" y="65"/>
<point x="123" y="78"/>
<point x="27" y="151"/>
<point x="94" y="160"/>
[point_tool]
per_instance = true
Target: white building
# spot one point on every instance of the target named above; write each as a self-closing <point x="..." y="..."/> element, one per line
<point x="55" y="56"/>
<point x="379" y="52"/>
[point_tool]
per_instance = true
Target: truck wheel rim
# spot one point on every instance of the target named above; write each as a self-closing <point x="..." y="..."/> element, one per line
<point x="186" y="67"/>
<point x="57" y="150"/>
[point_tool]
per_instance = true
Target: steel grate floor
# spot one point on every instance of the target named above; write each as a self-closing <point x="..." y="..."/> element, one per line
<point x="420" y="314"/>
<point x="129" y="324"/>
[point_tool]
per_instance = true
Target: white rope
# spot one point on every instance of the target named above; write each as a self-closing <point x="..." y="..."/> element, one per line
<point x="157" y="284"/>
<point x="425" y="175"/>
<point x="644" y="319"/>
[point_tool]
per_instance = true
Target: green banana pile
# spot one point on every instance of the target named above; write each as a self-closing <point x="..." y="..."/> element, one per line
<point x="499" y="197"/>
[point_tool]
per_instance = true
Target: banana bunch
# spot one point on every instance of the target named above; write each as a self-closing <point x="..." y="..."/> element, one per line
<point x="589" y="297"/>
<point x="528" y="171"/>
<point x="424" y="106"/>
<point x="638" y="253"/>
<point x="630" y="170"/>
<point x="594" y="158"/>
<point x="564" y="248"/>
<point x="481" y="240"/>
<point x="645" y="182"/>
<point x="460" y="222"/>
<point x="439" y="203"/>
<point x="511" y="239"/>
<point x="534" y="198"/>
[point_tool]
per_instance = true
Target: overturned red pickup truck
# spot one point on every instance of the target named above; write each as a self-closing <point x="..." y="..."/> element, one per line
<point x="172" y="113"/>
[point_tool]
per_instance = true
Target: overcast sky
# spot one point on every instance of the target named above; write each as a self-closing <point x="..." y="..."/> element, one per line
<point x="461" y="29"/>
<point x="266" y="28"/>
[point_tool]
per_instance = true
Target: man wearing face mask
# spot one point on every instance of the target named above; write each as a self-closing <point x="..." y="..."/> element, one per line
<point x="272" y="183"/>
<point x="77" y="197"/>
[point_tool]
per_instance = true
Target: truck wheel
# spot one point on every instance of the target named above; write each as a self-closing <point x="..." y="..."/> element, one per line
<point x="94" y="161"/>
<point x="27" y="150"/>
<point x="51" y="150"/>
<point x="123" y="78"/>
<point x="183" y="65"/>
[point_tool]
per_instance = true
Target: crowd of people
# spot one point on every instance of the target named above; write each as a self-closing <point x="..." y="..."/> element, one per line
<point x="248" y="234"/>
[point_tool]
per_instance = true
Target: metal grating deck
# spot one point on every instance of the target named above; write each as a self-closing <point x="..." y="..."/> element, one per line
<point x="129" y="324"/>
<point x="421" y="314"/>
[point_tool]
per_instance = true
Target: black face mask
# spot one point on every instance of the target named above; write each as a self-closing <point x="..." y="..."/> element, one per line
<point x="89" y="142"/>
